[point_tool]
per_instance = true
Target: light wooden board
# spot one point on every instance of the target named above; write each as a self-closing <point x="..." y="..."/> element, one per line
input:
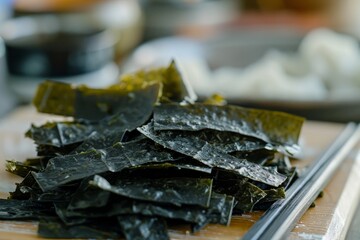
<point x="328" y="220"/>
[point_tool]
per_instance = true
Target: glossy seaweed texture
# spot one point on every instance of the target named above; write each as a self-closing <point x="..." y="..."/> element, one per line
<point x="140" y="154"/>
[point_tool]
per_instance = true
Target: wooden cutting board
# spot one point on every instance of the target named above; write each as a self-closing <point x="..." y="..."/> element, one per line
<point x="330" y="218"/>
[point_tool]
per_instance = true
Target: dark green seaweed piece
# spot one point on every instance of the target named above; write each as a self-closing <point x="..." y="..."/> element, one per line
<point x="219" y="211"/>
<point x="93" y="104"/>
<point x="19" y="168"/>
<point x="64" y="169"/>
<point x="248" y="196"/>
<point x="100" y="229"/>
<point x="135" y="153"/>
<point x="60" y="138"/>
<point x="245" y="193"/>
<point x="274" y="127"/>
<point x="58" y="195"/>
<point x="136" y="227"/>
<point x="180" y="165"/>
<point x="87" y="196"/>
<point x="24" y="209"/>
<point x="272" y="195"/>
<point x="22" y="169"/>
<point x="101" y="140"/>
<point x="24" y="188"/>
<point x="258" y="156"/>
<point x="59" y="134"/>
<point x="212" y="156"/>
<point x="51" y="151"/>
<point x="174" y="88"/>
<point x="228" y="141"/>
<point x="37" y="162"/>
<point x="176" y="191"/>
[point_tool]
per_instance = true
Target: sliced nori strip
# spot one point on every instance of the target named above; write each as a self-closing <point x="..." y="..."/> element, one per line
<point x="177" y="191"/>
<point x="24" y="188"/>
<point x="245" y="193"/>
<point x="260" y="157"/>
<point x="227" y="141"/>
<point x="101" y="229"/>
<point x="24" y="209"/>
<point x="57" y="195"/>
<point x="59" y="134"/>
<point x="51" y="151"/>
<point x="37" y="162"/>
<point x="88" y="196"/>
<point x="212" y="156"/>
<point x="272" y="196"/>
<point x="19" y="168"/>
<point x="94" y="104"/>
<point x="136" y="227"/>
<point x="64" y="169"/>
<point x="106" y="132"/>
<point x="101" y="140"/>
<point x="248" y="196"/>
<point x="135" y="153"/>
<point x="180" y="165"/>
<point x="219" y="211"/>
<point x="273" y="127"/>
<point x="174" y="88"/>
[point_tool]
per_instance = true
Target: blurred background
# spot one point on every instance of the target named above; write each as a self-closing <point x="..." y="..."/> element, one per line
<point x="299" y="56"/>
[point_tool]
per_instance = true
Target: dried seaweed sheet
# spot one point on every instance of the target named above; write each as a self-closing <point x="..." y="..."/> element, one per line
<point x="24" y="209"/>
<point x="19" y="168"/>
<point x="246" y="194"/>
<point x="174" y="88"/>
<point x="64" y="169"/>
<point x="219" y="211"/>
<point x="87" y="196"/>
<point x="176" y="191"/>
<point x="92" y="104"/>
<point x="101" y="229"/>
<point x="212" y="156"/>
<point x="181" y="164"/>
<point x="260" y="157"/>
<point x="104" y="174"/>
<point x="228" y="141"/>
<point x="101" y="140"/>
<point x="272" y="195"/>
<point x="59" y="134"/>
<point x="143" y="228"/>
<point x="24" y="188"/>
<point x="274" y="127"/>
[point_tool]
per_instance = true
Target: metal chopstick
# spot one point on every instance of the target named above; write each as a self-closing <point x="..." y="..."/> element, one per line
<point x="280" y="219"/>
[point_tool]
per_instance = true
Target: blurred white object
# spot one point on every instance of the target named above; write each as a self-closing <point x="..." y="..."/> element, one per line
<point x="330" y="54"/>
<point x="326" y="66"/>
<point x="267" y="79"/>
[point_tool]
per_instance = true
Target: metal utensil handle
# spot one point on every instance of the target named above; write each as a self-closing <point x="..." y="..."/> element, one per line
<point x="279" y="220"/>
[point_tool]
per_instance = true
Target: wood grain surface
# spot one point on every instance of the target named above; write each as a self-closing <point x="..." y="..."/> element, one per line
<point x="330" y="218"/>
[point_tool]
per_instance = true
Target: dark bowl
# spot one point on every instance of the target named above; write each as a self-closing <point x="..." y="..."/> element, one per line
<point x="55" y="46"/>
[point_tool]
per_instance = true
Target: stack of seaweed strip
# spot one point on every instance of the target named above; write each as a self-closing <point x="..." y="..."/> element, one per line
<point x="140" y="155"/>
